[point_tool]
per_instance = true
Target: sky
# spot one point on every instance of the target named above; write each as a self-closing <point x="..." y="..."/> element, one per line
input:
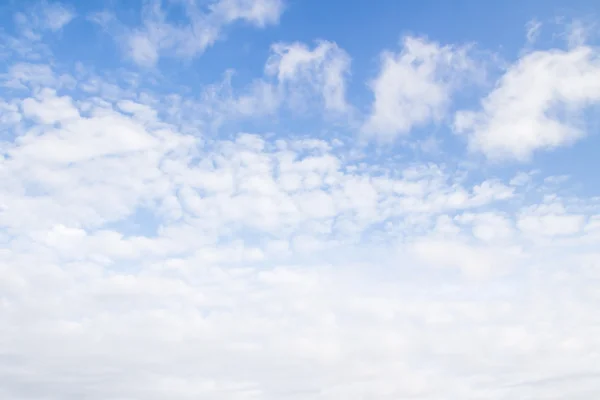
<point x="299" y="199"/>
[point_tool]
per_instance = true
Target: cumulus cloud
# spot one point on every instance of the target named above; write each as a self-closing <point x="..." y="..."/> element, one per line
<point x="414" y="86"/>
<point x="536" y="105"/>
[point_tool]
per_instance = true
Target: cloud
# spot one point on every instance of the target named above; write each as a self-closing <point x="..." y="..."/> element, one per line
<point x="414" y="86"/>
<point x="49" y="109"/>
<point x="223" y="102"/>
<point x="550" y="219"/>
<point x="44" y="16"/>
<point x="323" y="69"/>
<point x="139" y="261"/>
<point x="31" y="26"/>
<point x="257" y="12"/>
<point x="533" y="28"/>
<point x="144" y="256"/>
<point x="22" y="75"/>
<point x="296" y="78"/>
<point x="536" y="105"/>
<point x="159" y="37"/>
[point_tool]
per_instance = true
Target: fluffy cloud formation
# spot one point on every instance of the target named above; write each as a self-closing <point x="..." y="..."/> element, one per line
<point x="536" y="105"/>
<point x="140" y="262"/>
<point x="158" y="36"/>
<point x="414" y="86"/>
<point x="145" y="257"/>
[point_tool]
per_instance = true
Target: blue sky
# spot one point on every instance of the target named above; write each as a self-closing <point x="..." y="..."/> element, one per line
<point x="285" y="199"/>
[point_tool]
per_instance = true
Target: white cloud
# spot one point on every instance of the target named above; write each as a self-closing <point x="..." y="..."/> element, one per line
<point x="323" y="69"/>
<point x="472" y="260"/>
<point x="489" y="226"/>
<point x="261" y="98"/>
<point x="32" y="25"/>
<point x="301" y="79"/>
<point x="536" y="105"/>
<point x="56" y="16"/>
<point x="21" y="75"/>
<point x="44" y="16"/>
<point x="550" y="219"/>
<point x="258" y="12"/>
<point x="144" y="49"/>
<point x="142" y="258"/>
<point x="159" y="37"/>
<point x="414" y="86"/>
<point x="49" y="108"/>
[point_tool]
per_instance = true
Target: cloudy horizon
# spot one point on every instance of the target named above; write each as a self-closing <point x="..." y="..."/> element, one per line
<point x="264" y="199"/>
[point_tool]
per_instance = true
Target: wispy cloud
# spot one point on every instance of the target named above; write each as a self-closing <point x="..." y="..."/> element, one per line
<point x="323" y="69"/>
<point x="157" y="36"/>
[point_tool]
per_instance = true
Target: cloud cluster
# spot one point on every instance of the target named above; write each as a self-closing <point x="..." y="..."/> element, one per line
<point x="143" y="257"/>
